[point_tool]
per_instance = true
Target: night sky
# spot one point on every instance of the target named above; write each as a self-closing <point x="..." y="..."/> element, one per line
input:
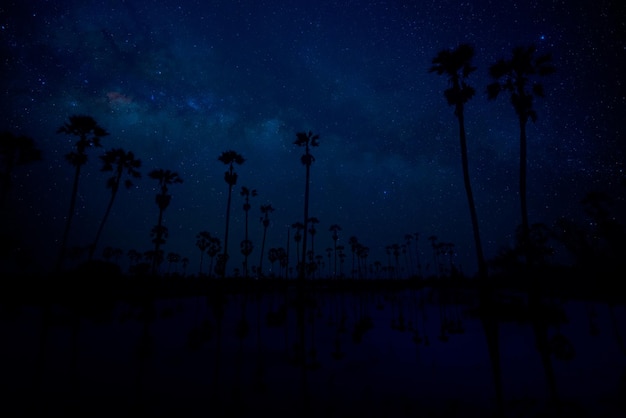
<point x="179" y="82"/>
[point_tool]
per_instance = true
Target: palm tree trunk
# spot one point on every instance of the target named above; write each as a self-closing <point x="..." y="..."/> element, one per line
<point x="482" y="266"/>
<point x="230" y="192"/>
<point x="157" y="244"/>
<point x="92" y="249"/>
<point x="260" y="271"/>
<point x="68" y="222"/>
<point x="306" y="220"/>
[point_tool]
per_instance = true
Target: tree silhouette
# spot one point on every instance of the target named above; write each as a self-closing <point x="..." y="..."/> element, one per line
<point x="297" y="237"/>
<point x="172" y="258"/>
<point x="165" y="179"/>
<point x="265" y="220"/>
<point x="312" y="231"/>
<point x="14" y="151"/>
<point x="334" y="228"/>
<point x="306" y="140"/>
<point x="514" y="77"/>
<point x="246" y="245"/>
<point x="118" y="161"/>
<point x="215" y="246"/>
<point x="202" y="242"/>
<point x="457" y="66"/>
<point x="89" y="134"/>
<point x="229" y="158"/>
<point x="354" y="242"/>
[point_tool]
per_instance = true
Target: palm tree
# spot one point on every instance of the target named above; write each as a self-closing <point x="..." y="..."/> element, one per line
<point x="172" y="258"/>
<point x="329" y="253"/>
<point x="14" y="151"/>
<point x="334" y="228"/>
<point x="354" y="243"/>
<point x="246" y="245"/>
<point x="297" y="237"/>
<point x="265" y="210"/>
<point x="362" y="253"/>
<point x="215" y="246"/>
<point x="312" y="231"/>
<point x="457" y="66"/>
<point x="342" y="258"/>
<point x="165" y="179"/>
<point x="306" y="140"/>
<point x="514" y="77"/>
<point x="134" y="257"/>
<point x="185" y="262"/>
<point x="118" y="161"/>
<point x="89" y="134"/>
<point x="202" y="242"/>
<point x="229" y="158"/>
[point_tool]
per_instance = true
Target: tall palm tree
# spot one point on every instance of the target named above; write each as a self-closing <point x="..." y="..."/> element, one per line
<point x="306" y="140"/>
<point x="165" y="178"/>
<point x="514" y="76"/>
<point x="120" y="162"/>
<point x="14" y="151"/>
<point x="265" y="220"/>
<point x="229" y="158"/>
<point x="202" y="242"/>
<point x="246" y="245"/>
<point x="457" y="66"/>
<point x="334" y="228"/>
<point x="517" y="77"/>
<point x="89" y="134"/>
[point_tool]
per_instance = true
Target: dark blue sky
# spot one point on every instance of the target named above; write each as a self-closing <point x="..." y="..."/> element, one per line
<point x="179" y="82"/>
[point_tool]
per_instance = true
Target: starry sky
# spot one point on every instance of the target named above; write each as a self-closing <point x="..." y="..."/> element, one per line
<point x="179" y="82"/>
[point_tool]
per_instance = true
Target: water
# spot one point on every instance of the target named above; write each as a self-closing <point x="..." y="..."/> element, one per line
<point x="386" y="373"/>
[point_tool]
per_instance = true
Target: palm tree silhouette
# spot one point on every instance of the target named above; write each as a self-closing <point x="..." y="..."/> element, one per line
<point x="172" y="258"/>
<point x="514" y="77"/>
<point x="417" y="254"/>
<point x="334" y="228"/>
<point x="202" y="242"/>
<point x="246" y="245"/>
<point x="354" y="242"/>
<point x="306" y="140"/>
<point x="165" y="179"/>
<point x="185" y="262"/>
<point x="229" y="158"/>
<point x="215" y="246"/>
<point x="89" y="134"/>
<point x="457" y="66"/>
<point x="265" y="210"/>
<point x="408" y="238"/>
<point x="312" y="231"/>
<point x="118" y="161"/>
<point x="297" y="237"/>
<point x="134" y="257"/>
<point x="14" y="151"/>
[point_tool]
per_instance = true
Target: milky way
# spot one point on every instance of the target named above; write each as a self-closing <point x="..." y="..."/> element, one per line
<point x="180" y="82"/>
